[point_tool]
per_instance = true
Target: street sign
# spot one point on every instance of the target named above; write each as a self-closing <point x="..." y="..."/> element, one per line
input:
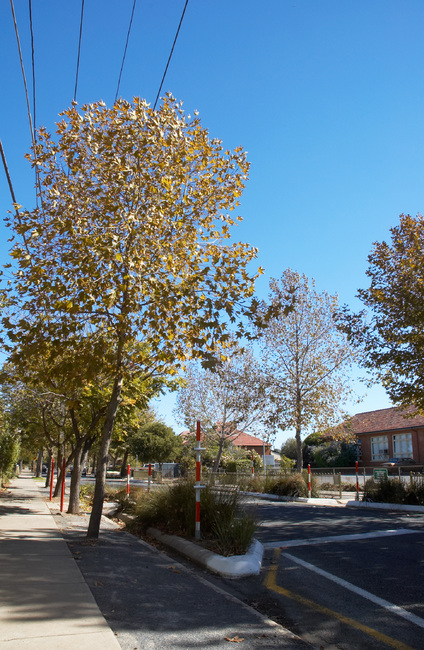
<point x="380" y="474"/>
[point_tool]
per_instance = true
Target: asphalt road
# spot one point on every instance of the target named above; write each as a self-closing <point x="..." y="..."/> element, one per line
<point x="341" y="577"/>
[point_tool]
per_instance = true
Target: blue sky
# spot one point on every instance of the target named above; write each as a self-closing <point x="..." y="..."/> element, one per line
<point x="326" y="97"/>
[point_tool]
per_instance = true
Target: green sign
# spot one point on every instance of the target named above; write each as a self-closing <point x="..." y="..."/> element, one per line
<point x="380" y="474"/>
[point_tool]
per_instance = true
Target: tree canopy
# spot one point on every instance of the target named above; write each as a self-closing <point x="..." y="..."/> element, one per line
<point x="228" y="398"/>
<point x="126" y="263"/>
<point x="391" y="336"/>
<point x="155" y="443"/>
<point x="305" y="358"/>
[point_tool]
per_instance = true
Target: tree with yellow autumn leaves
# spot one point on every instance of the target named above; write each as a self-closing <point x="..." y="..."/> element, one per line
<point x="126" y="267"/>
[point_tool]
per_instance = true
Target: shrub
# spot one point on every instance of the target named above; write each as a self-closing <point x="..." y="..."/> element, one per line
<point x="385" y="491"/>
<point x="291" y="485"/>
<point x="225" y="527"/>
<point x="9" y="453"/>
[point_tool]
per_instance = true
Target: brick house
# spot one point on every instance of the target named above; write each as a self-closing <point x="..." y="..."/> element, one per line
<point x="389" y="433"/>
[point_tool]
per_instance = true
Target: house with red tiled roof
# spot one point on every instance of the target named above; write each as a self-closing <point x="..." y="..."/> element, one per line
<point x="243" y="440"/>
<point x="389" y="433"/>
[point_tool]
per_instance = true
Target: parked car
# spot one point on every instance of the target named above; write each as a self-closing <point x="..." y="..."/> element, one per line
<point x="399" y="462"/>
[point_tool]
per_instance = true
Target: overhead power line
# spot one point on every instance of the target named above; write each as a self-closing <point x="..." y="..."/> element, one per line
<point x="79" y="50"/>
<point x="33" y="69"/>
<point x="170" y="56"/>
<point x="23" y="72"/>
<point x="125" y="50"/>
<point x="31" y="127"/>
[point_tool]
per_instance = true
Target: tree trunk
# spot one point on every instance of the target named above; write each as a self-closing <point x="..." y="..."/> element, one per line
<point x="218" y="456"/>
<point x="59" y="473"/>
<point x="87" y="446"/>
<point x="39" y="464"/>
<point x="124" y="465"/>
<point x="74" y="493"/>
<point x="299" y="465"/>
<point x="102" y="459"/>
<point x="49" y="469"/>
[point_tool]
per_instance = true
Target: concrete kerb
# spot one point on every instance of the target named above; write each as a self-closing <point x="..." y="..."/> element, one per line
<point x="386" y="506"/>
<point x="240" y="566"/>
<point x="337" y="502"/>
<point x="234" y="566"/>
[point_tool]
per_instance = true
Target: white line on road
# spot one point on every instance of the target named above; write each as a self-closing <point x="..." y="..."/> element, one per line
<point x="394" y="609"/>
<point x="340" y="538"/>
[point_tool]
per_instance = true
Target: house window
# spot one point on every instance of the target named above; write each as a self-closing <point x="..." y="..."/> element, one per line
<point x="379" y="448"/>
<point x="402" y="445"/>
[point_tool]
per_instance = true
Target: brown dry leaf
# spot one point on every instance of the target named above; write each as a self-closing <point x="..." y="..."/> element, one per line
<point x="235" y="639"/>
<point x="98" y="583"/>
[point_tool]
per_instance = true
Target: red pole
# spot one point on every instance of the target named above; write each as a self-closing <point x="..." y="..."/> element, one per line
<point x="51" y="480"/>
<point x="150" y="475"/>
<point x="309" y="482"/>
<point x="128" y="480"/>
<point x="357" y="481"/>
<point x="62" y="496"/>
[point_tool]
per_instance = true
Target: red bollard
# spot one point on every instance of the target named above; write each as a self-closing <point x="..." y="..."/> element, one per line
<point x="62" y="496"/>
<point x="51" y="480"/>
<point x="150" y="476"/>
<point x="128" y="481"/>
<point x="309" y="482"/>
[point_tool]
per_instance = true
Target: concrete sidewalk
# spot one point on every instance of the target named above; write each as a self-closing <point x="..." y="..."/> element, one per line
<point x="44" y="599"/>
<point x="151" y="602"/>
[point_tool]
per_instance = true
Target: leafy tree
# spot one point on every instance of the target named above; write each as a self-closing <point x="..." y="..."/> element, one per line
<point x="289" y="448"/>
<point x="9" y="447"/>
<point x="155" y="443"/>
<point x="391" y="339"/>
<point x="225" y="400"/>
<point x="125" y="264"/>
<point x="305" y="358"/>
<point x="333" y="453"/>
<point x="9" y="454"/>
<point x="237" y="459"/>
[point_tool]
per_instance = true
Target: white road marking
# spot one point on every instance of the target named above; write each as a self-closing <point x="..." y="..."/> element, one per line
<point x="393" y="609"/>
<point x="340" y="538"/>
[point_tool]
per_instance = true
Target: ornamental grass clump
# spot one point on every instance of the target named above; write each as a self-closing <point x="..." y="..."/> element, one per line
<point x="385" y="491"/>
<point x="290" y="485"/>
<point x="391" y="490"/>
<point x="225" y="527"/>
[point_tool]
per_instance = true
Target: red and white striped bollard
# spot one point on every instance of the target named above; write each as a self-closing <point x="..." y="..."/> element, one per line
<point x="309" y="482"/>
<point x="197" y="485"/>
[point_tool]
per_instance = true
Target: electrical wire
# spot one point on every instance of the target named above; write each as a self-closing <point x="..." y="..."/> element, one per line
<point x="33" y="69"/>
<point x="31" y="127"/>
<point x="170" y="56"/>
<point x="79" y="50"/>
<point x="125" y="50"/>
<point x="23" y="73"/>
